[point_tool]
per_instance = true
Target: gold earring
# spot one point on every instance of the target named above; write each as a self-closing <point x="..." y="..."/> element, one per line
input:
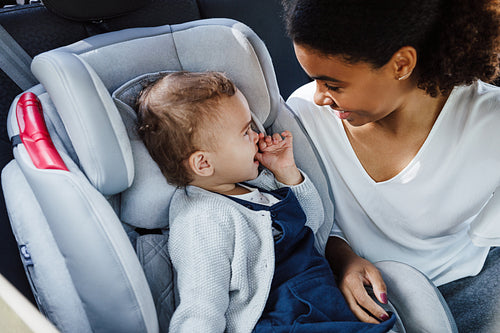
<point x="404" y="76"/>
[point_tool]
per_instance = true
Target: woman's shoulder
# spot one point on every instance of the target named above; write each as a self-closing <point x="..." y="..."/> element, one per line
<point x="475" y="104"/>
<point x="303" y="94"/>
<point x="477" y="93"/>
<point x="487" y="90"/>
<point x="480" y="89"/>
<point x="473" y="118"/>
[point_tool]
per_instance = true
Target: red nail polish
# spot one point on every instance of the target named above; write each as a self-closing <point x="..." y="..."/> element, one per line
<point x="383" y="297"/>
<point x="384" y="317"/>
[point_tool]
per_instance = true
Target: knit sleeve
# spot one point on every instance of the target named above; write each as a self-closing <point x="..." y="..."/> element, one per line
<point x="310" y="202"/>
<point x="201" y="247"/>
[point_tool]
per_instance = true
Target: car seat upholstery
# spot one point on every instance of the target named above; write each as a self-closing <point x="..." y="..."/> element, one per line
<point x="88" y="227"/>
<point x="40" y="27"/>
<point x="37" y="29"/>
<point x="92" y="139"/>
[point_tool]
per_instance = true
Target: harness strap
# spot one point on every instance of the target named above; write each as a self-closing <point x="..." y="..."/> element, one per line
<point x="16" y="140"/>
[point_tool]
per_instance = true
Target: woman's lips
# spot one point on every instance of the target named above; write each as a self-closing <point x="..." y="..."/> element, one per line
<point x="342" y="114"/>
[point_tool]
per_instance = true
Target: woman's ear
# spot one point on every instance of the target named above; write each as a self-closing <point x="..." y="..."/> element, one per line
<point x="404" y="62"/>
<point x="200" y="164"/>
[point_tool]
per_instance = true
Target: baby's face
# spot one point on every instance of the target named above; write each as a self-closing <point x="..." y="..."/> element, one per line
<point x="234" y="159"/>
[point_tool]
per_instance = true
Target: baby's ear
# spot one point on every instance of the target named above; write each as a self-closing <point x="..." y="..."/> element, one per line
<point x="200" y="165"/>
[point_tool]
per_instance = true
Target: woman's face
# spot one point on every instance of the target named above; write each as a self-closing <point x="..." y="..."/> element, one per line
<point x="357" y="93"/>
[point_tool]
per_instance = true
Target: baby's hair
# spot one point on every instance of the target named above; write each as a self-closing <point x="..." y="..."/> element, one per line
<point x="177" y="115"/>
<point x="457" y="41"/>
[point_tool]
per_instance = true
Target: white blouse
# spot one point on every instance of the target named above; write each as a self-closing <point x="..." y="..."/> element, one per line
<point x="439" y="214"/>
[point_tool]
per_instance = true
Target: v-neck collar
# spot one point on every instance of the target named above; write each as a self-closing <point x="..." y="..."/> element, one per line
<point x="421" y="151"/>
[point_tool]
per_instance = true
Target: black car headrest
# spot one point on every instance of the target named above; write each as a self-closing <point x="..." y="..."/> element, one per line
<point x="93" y="10"/>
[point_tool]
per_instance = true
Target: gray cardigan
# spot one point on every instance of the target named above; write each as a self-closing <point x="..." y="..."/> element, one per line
<point x="223" y="254"/>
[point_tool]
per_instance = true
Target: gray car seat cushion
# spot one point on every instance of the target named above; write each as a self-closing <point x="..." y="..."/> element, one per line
<point x="421" y="306"/>
<point x="146" y="202"/>
<point x="153" y="254"/>
<point x="44" y="264"/>
<point x="90" y="117"/>
<point x="96" y="250"/>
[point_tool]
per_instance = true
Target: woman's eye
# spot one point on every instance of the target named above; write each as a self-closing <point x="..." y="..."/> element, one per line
<point x="332" y="88"/>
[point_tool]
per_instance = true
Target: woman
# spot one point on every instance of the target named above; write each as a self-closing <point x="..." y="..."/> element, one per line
<point x="409" y="133"/>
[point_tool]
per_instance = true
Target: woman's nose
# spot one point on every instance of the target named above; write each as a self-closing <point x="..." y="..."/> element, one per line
<point x="321" y="97"/>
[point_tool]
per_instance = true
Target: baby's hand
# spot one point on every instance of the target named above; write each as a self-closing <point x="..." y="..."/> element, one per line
<point x="276" y="154"/>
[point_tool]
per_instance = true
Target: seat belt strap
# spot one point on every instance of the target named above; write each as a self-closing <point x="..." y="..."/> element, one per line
<point x="15" y="62"/>
<point x="16" y="140"/>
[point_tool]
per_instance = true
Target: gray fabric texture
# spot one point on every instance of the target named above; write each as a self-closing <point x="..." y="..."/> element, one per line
<point x="97" y="252"/>
<point x="153" y="254"/>
<point x="475" y="301"/>
<point x="418" y="302"/>
<point x="226" y="50"/>
<point x="90" y="117"/>
<point x="46" y="269"/>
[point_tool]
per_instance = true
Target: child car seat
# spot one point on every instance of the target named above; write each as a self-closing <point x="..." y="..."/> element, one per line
<point x="86" y="201"/>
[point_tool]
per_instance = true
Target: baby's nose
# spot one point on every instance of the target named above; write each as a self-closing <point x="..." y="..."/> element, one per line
<point x="255" y="136"/>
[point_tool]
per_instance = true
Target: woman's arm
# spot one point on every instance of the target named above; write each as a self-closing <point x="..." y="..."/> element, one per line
<point x="353" y="273"/>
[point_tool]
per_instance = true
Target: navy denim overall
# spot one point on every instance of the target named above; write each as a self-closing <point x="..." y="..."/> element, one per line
<point x="304" y="296"/>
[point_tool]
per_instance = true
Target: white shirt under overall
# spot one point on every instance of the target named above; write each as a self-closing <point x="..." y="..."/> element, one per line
<point x="431" y="212"/>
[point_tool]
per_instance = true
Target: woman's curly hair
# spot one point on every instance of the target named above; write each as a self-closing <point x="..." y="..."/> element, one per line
<point x="457" y="41"/>
<point x="177" y="115"/>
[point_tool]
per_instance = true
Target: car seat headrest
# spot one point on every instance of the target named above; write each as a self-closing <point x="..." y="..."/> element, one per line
<point x="145" y="204"/>
<point x="91" y="119"/>
<point x="95" y="10"/>
<point x="80" y="78"/>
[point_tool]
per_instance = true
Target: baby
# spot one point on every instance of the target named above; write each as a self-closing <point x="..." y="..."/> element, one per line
<point x="241" y="242"/>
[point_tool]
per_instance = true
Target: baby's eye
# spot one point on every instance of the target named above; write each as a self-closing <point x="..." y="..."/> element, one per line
<point x="254" y="127"/>
<point x="247" y="132"/>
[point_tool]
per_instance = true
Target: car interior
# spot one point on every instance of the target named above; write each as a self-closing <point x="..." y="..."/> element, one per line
<point x="84" y="214"/>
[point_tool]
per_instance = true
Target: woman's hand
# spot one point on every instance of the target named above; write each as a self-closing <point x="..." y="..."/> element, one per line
<point x="354" y="273"/>
<point x="357" y="275"/>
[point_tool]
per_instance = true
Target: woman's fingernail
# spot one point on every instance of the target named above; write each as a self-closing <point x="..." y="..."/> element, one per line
<point x="384" y="317"/>
<point x="383" y="297"/>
